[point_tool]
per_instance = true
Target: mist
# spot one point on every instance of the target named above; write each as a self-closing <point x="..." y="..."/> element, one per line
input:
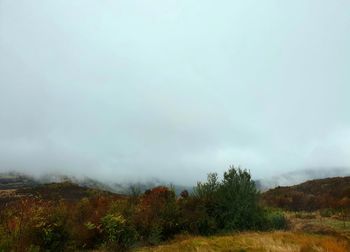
<point x="135" y="90"/>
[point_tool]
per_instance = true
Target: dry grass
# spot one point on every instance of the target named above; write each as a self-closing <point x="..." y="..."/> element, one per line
<point x="7" y="193"/>
<point x="319" y="225"/>
<point x="257" y="242"/>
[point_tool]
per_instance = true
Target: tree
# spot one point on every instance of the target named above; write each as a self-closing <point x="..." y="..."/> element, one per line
<point x="238" y="201"/>
<point x="231" y="202"/>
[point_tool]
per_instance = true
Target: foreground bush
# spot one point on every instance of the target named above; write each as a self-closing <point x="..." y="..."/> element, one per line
<point x="35" y="223"/>
<point x="157" y="215"/>
<point x="229" y="204"/>
<point x="50" y="230"/>
<point x="275" y="220"/>
<point x="118" y="234"/>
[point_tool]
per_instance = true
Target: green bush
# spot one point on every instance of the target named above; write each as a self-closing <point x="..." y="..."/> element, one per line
<point x="6" y="241"/>
<point x="327" y="212"/>
<point x="155" y="235"/>
<point x="117" y="233"/>
<point x="276" y="220"/>
<point x="232" y="202"/>
<point x="49" y="229"/>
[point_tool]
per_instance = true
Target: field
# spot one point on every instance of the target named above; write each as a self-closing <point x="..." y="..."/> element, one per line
<point x="308" y="232"/>
<point x="256" y="242"/>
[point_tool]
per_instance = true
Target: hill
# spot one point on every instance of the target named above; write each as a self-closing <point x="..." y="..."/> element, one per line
<point x="299" y="176"/>
<point x="63" y="191"/>
<point x="67" y="191"/>
<point x="14" y="180"/>
<point x="311" y="195"/>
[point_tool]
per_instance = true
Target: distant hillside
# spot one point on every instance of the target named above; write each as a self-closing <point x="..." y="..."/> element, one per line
<point x="14" y="180"/>
<point x="300" y="176"/>
<point x="311" y="195"/>
<point x="14" y="186"/>
<point x="66" y="191"/>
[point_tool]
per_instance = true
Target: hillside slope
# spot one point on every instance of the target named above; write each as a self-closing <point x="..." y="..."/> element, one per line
<point x="66" y="191"/>
<point x="15" y="181"/>
<point x="311" y="195"/>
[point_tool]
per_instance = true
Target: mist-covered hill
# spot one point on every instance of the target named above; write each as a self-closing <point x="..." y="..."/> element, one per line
<point x="14" y="180"/>
<point x="300" y="176"/>
<point x="311" y="195"/>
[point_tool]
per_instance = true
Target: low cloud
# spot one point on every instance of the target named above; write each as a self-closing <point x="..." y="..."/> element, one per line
<point x="133" y="90"/>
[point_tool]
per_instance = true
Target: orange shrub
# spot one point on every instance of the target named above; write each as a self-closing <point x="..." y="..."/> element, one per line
<point x="157" y="214"/>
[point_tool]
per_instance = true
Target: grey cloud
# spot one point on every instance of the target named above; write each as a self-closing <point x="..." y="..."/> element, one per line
<point x="120" y="90"/>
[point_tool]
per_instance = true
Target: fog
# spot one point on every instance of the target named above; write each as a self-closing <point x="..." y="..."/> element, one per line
<point x="140" y="89"/>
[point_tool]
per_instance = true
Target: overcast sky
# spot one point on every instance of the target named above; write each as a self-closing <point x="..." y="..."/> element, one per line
<point x="173" y="89"/>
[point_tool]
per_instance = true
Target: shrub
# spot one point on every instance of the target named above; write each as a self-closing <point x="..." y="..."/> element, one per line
<point x="117" y="233"/>
<point x="49" y="228"/>
<point x="232" y="202"/>
<point x="155" y="235"/>
<point x="5" y="240"/>
<point x="327" y="212"/>
<point x="84" y="221"/>
<point x="276" y="220"/>
<point x="195" y="218"/>
<point x="157" y="210"/>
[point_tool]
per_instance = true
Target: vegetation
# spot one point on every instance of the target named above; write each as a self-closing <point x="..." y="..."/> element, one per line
<point x="68" y="217"/>
<point x="252" y="241"/>
<point x="255" y="242"/>
<point x="329" y="193"/>
<point x="227" y="205"/>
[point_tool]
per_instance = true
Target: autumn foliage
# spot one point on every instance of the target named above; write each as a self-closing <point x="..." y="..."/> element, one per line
<point x="66" y="217"/>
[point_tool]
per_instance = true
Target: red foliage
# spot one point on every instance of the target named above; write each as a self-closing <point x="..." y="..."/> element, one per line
<point x="157" y="210"/>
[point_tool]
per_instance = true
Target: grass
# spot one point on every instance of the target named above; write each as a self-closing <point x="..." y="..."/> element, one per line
<point x="309" y="233"/>
<point x="256" y="242"/>
<point x="337" y="224"/>
<point x="314" y="223"/>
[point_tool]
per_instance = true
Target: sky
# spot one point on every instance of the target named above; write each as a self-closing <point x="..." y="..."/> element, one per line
<point x="173" y="89"/>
